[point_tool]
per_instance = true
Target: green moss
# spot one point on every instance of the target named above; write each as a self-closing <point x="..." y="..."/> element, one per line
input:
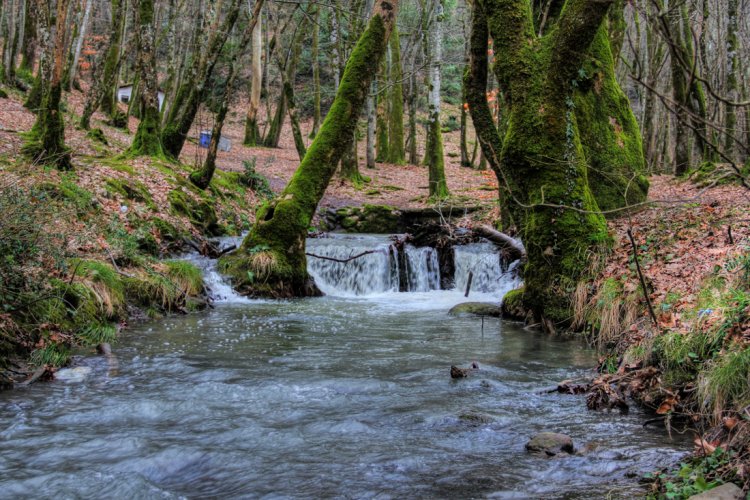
<point x="609" y="132"/>
<point x="199" y="211"/>
<point x="45" y="142"/>
<point x="96" y="134"/>
<point x="68" y="191"/>
<point x="132" y="190"/>
<point x="512" y="305"/>
<point x="435" y="161"/>
<point x="3" y="94"/>
<point x="167" y="231"/>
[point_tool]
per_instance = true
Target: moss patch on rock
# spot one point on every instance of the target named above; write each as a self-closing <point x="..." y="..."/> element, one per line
<point x="200" y="211"/>
<point x="476" y="309"/>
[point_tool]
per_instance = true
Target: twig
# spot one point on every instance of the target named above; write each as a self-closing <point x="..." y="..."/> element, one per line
<point x="343" y="261"/>
<point x="729" y="232"/>
<point x="468" y="288"/>
<point x="643" y="282"/>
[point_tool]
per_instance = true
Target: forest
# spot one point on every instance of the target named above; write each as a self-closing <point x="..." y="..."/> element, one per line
<point x="375" y="248"/>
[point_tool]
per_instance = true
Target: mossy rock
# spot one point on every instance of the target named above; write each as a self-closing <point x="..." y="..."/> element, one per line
<point x="69" y="191"/>
<point x="3" y="94"/>
<point x="132" y="190"/>
<point x="512" y="305"/>
<point x="96" y="134"/>
<point x="168" y="232"/>
<point x="476" y="309"/>
<point x="550" y="444"/>
<point x="381" y="219"/>
<point x="200" y="212"/>
<point x="119" y="120"/>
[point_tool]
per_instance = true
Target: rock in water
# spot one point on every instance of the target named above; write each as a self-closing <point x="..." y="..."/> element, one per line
<point x="77" y="374"/>
<point x="457" y="372"/>
<point x="728" y="491"/>
<point x="550" y="444"/>
<point x="476" y="309"/>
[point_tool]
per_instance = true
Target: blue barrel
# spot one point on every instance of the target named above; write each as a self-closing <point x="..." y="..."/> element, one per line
<point x="205" y="138"/>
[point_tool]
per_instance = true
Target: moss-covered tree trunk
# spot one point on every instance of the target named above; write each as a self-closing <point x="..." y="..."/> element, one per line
<point x="108" y="99"/>
<point x="396" y="153"/>
<point x="147" y="140"/>
<point x="542" y="163"/>
<point x="28" y="45"/>
<point x="434" y="158"/>
<point x="252" y="132"/>
<point x="46" y="141"/>
<point x="271" y="260"/>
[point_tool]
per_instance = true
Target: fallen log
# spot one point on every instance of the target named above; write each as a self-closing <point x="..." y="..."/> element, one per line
<point x="513" y="247"/>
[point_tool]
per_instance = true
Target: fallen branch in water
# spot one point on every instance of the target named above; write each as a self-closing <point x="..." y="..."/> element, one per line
<point x="514" y="248"/>
<point x="343" y="261"/>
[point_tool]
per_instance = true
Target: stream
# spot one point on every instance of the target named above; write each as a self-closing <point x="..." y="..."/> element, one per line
<point x="345" y="396"/>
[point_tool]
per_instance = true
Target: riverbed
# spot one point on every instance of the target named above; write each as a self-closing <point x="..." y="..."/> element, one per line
<point x="324" y="397"/>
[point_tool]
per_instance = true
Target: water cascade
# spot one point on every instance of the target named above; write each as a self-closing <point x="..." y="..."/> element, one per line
<point x="415" y="269"/>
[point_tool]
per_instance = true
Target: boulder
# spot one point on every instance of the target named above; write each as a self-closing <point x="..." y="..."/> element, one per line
<point x="728" y="491"/>
<point x="550" y="444"/>
<point x="476" y="309"/>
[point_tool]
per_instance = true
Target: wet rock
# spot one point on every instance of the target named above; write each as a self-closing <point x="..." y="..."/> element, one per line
<point x="457" y="372"/>
<point x="476" y="419"/>
<point x="550" y="444"/>
<point x="77" y="374"/>
<point x="476" y="309"/>
<point x="727" y="491"/>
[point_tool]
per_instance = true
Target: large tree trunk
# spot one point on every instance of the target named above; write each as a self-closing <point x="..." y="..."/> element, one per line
<point x="28" y="46"/>
<point x="147" y="141"/>
<point x="252" y="133"/>
<point x="271" y="260"/>
<point x="542" y="162"/>
<point x="108" y="99"/>
<point x="438" y="188"/>
<point x="46" y="141"/>
<point x="396" y="153"/>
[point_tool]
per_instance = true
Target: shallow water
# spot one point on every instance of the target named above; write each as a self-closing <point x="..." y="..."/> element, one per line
<point x="325" y="397"/>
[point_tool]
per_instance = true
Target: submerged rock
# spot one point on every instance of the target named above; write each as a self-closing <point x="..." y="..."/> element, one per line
<point x="476" y="309"/>
<point x="728" y="491"/>
<point x="550" y="444"/>
<point x="77" y="374"/>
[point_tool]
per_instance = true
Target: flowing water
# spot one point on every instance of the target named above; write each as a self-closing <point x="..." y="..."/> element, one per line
<point x="345" y="396"/>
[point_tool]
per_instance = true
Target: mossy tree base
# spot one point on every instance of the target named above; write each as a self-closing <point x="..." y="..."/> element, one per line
<point x="271" y="260"/>
<point x="45" y="143"/>
<point x="542" y="164"/>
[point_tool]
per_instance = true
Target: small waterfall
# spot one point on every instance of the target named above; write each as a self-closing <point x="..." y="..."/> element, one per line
<point x="375" y="272"/>
<point x="484" y="261"/>
<point x="219" y="289"/>
<point x="422" y="269"/>
<point x="381" y="269"/>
